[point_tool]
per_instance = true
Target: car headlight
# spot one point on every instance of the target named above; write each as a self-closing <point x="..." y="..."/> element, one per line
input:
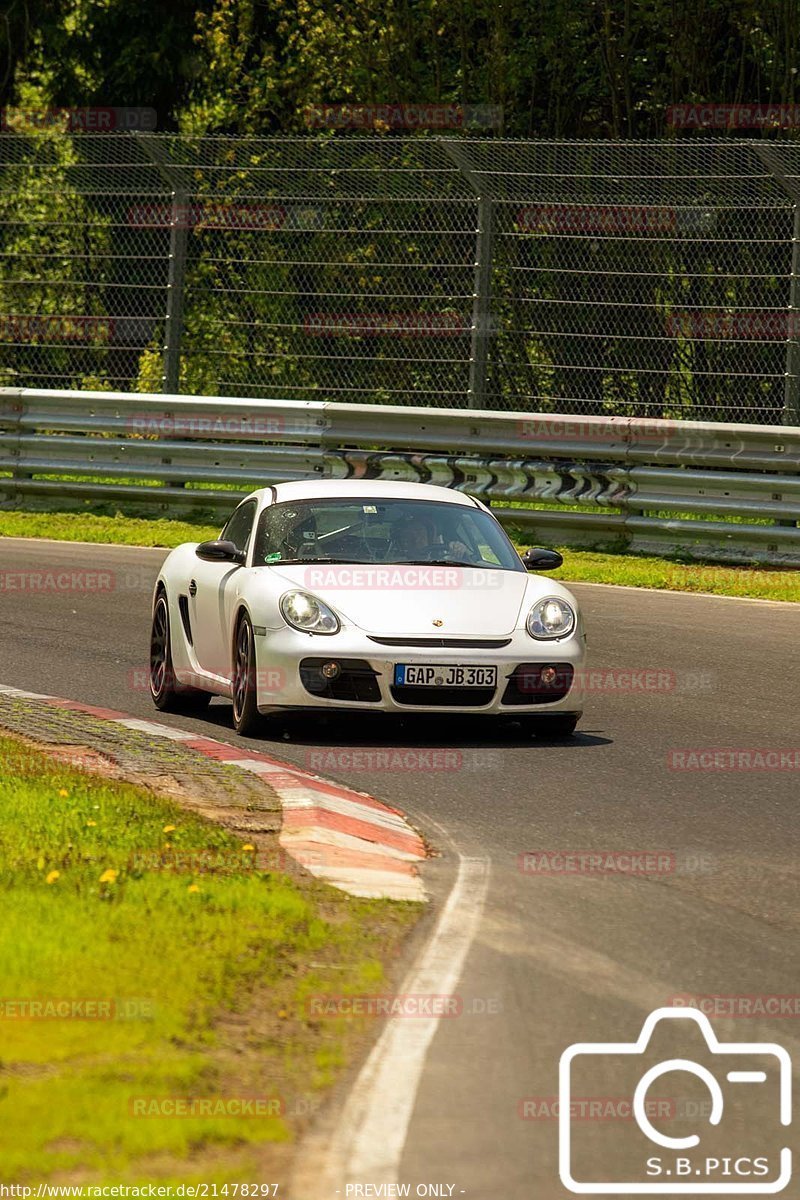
<point x="551" y="618"/>
<point x="305" y="612"/>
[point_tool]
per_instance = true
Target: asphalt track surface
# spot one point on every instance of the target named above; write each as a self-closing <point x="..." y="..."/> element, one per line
<point x="559" y="957"/>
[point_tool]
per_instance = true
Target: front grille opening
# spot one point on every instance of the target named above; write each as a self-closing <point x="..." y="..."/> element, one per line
<point x="455" y="697"/>
<point x="356" y="680"/>
<point x="525" y="684"/>
<point x="441" y="643"/>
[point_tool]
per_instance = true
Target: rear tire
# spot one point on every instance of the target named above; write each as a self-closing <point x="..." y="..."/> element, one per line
<point x="553" y="728"/>
<point x="247" y="720"/>
<point x="167" y="694"/>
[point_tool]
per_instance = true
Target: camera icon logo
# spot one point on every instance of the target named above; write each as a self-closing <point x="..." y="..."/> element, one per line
<point x="731" y="1154"/>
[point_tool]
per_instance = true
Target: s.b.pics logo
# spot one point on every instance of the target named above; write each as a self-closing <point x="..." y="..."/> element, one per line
<point x="720" y="1127"/>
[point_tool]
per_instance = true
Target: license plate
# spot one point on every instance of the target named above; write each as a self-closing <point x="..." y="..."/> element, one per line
<point x="432" y="675"/>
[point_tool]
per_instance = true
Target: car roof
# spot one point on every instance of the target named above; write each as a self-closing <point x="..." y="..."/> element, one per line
<point x="320" y="489"/>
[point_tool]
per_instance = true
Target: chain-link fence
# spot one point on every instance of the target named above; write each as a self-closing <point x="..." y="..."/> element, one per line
<point x="639" y="279"/>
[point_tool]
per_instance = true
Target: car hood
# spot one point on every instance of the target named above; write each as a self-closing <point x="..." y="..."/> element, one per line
<point x="398" y="601"/>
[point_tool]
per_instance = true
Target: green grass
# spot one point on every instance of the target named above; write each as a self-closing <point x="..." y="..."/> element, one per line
<point x="207" y="974"/>
<point x="122" y="530"/>
<point x="631" y="570"/>
<point x="586" y="566"/>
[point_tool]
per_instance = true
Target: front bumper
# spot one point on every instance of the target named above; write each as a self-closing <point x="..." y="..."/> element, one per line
<point x="287" y="673"/>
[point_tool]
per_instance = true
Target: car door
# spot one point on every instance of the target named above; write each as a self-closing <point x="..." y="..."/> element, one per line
<point x="211" y="604"/>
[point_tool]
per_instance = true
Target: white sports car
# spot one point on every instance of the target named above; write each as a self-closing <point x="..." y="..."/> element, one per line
<point x="362" y="595"/>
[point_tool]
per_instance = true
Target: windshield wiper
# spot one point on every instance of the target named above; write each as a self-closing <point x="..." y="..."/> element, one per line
<point x="314" y="562"/>
<point x="434" y="562"/>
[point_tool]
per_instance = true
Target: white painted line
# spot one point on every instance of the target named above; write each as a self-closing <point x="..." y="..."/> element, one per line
<point x="11" y="691"/>
<point x="369" y="1140"/>
<point x="156" y="729"/>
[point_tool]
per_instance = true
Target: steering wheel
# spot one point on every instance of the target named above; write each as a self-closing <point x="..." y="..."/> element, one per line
<point x="440" y="550"/>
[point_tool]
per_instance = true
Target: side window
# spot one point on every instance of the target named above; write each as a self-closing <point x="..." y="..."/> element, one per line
<point x="240" y="525"/>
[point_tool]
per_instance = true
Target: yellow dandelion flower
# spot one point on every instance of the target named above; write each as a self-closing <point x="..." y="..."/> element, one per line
<point x="169" y="828"/>
<point x="109" y="876"/>
<point x="193" y="888"/>
<point x="63" y="792"/>
<point x="248" y="847"/>
<point x="91" y="822"/>
<point x="53" y="876"/>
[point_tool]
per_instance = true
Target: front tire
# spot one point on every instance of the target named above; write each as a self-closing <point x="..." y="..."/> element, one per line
<point x="166" y="692"/>
<point x="246" y="717"/>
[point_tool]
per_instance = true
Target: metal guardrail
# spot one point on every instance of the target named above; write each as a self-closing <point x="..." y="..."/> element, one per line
<point x="717" y="491"/>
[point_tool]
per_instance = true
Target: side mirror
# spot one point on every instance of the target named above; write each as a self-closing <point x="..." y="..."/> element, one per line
<point x="220" y="552"/>
<point x="538" y="559"/>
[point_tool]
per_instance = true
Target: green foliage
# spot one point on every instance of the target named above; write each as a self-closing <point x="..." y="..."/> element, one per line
<point x="558" y="70"/>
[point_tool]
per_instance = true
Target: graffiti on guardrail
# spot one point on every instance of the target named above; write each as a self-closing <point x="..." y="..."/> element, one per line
<point x="529" y="479"/>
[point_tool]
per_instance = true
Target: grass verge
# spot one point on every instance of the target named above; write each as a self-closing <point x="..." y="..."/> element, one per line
<point x="172" y="985"/>
<point x="581" y="566"/>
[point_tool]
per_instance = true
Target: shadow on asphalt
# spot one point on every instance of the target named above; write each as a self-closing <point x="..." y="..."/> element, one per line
<point x="387" y="730"/>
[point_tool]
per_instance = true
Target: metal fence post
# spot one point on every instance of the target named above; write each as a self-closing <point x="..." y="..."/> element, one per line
<point x="770" y="156"/>
<point x="155" y="150"/>
<point x="173" y="324"/>
<point x="791" y="395"/>
<point x="481" y="305"/>
<point x="482" y="281"/>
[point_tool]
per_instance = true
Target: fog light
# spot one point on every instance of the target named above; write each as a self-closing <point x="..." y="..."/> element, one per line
<point x="330" y="670"/>
<point x="548" y="675"/>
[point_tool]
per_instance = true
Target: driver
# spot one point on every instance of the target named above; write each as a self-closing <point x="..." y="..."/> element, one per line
<point x="414" y="537"/>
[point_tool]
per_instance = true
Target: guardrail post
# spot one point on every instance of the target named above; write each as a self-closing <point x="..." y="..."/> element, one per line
<point x="791" y="393"/>
<point x="173" y="324"/>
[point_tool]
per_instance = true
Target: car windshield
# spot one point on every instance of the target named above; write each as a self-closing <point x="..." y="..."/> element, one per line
<point x="382" y="530"/>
